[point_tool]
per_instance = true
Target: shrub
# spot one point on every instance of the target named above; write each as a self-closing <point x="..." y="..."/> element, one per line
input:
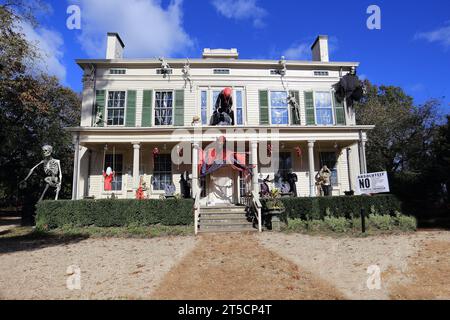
<point x="407" y="223"/>
<point x="296" y="225"/>
<point x="339" y="225"/>
<point x="311" y="208"/>
<point x="114" y="213"/>
<point x="382" y="222"/>
<point x="316" y="225"/>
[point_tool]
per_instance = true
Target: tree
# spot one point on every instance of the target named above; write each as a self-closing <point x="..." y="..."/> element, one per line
<point x="34" y="110"/>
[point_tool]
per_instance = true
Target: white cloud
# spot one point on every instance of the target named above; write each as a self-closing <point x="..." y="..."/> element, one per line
<point x="299" y="51"/>
<point x="147" y="29"/>
<point x="241" y="10"/>
<point x="49" y="43"/>
<point x="441" y="36"/>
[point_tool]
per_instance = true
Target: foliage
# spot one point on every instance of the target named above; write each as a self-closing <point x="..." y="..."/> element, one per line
<point x="114" y="213"/>
<point x="313" y="208"/>
<point x="382" y="222"/>
<point x="34" y="110"/>
<point x="272" y="201"/>
<point x="339" y="224"/>
<point x="407" y="223"/>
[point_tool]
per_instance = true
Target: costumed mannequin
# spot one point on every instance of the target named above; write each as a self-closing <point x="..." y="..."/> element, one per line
<point x="108" y="177"/>
<point x="323" y="178"/>
<point x="184" y="185"/>
<point x="52" y="168"/>
<point x="292" y="178"/>
<point x="223" y="114"/>
<point x="264" y="187"/>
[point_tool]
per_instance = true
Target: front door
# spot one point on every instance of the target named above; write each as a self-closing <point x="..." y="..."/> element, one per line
<point x="221" y="186"/>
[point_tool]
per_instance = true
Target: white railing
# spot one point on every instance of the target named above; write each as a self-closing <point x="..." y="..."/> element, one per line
<point x="256" y="204"/>
<point x="196" y="210"/>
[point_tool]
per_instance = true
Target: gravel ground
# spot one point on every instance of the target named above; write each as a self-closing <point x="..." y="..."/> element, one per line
<point x="343" y="262"/>
<point x="110" y="268"/>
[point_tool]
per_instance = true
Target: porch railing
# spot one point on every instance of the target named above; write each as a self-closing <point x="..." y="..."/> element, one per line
<point x="257" y="207"/>
<point x="196" y="210"/>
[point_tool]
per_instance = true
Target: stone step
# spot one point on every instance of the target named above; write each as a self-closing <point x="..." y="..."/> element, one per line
<point x="224" y="223"/>
<point x="212" y="216"/>
<point x="228" y="228"/>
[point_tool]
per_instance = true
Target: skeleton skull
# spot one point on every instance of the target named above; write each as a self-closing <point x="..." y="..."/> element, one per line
<point x="47" y="151"/>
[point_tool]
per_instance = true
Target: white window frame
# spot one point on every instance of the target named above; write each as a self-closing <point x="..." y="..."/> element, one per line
<point x="333" y="121"/>
<point x="270" y="107"/>
<point x="117" y="74"/>
<point x="210" y="103"/>
<point x="154" y="108"/>
<point x="124" y="108"/>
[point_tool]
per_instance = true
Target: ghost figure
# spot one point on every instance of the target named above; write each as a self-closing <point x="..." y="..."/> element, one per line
<point x="52" y="168"/>
<point x="108" y="177"/>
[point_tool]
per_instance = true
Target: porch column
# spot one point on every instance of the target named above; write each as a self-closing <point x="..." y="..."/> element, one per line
<point x="195" y="184"/>
<point x="362" y="153"/>
<point x="76" y="165"/>
<point x="136" y="151"/>
<point x="312" y="184"/>
<point x="254" y="163"/>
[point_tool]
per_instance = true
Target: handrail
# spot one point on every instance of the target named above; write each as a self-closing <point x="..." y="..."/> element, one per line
<point x="258" y="207"/>
<point x="196" y="210"/>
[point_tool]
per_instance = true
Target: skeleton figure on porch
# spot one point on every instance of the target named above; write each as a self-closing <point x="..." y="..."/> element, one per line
<point x="323" y="180"/>
<point x="52" y="168"/>
<point x="223" y="114"/>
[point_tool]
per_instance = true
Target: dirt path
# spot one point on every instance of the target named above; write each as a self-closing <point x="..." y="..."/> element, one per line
<point x="412" y="265"/>
<point x="236" y="266"/>
<point x="110" y="268"/>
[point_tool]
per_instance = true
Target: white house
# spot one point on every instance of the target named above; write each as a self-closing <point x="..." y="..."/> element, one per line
<point x="132" y="106"/>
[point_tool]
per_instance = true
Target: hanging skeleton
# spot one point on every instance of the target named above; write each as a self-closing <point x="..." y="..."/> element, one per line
<point x="165" y="68"/>
<point x="295" y="107"/>
<point x="349" y="88"/>
<point x="187" y="74"/>
<point x="52" y="168"/>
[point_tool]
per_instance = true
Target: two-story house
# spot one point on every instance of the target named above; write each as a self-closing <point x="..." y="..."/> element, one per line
<point x="138" y="114"/>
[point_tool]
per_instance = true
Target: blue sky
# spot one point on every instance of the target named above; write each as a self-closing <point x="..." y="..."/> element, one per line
<point x="412" y="49"/>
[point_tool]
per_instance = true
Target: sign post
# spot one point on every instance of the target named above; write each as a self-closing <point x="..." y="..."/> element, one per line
<point x="371" y="183"/>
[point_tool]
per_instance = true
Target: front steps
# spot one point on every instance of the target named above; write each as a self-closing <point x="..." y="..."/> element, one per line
<point x="224" y="219"/>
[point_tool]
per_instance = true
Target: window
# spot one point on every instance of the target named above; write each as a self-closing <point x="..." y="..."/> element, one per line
<point x="163" y="108"/>
<point x="324" y="108"/>
<point x="204" y="106"/>
<point x="116" y="108"/>
<point x="116" y="164"/>
<point x="162" y="171"/>
<point x="279" y="110"/>
<point x="221" y="71"/>
<point x="329" y="159"/>
<point x="117" y="71"/>
<point x="239" y="108"/>
<point x="321" y="73"/>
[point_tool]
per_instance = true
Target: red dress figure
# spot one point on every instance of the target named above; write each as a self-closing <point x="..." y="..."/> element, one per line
<point x="108" y="177"/>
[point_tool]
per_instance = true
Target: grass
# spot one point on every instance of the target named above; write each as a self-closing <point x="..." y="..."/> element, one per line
<point x="98" y="232"/>
<point x="375" y="225"/>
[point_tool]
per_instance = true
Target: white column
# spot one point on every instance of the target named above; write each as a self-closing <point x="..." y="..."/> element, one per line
<point x="136" y="150"/>
<point x="195" y="181"/>
<point x="363" y="156"/>
<point x="76" y="166"/>
<point x="312" y="183"/>
<point x="254" y="163"/>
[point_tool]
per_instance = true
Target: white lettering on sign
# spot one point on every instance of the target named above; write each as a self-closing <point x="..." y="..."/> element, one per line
<point x="376" y="182"/>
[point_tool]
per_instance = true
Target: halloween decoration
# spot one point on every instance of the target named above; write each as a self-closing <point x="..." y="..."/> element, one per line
<point x="187" y="74"/>
<point x="269" y="149"/>
<point x="155" y="152"/>
<point x="349" y="88"/>
<point x="165" y="68"/>
<point x="185" y="185"/>
<point x="52" y="168"/>
<point x="223" y="114"/>
<point x="291" y="179"/>
<point x="140" y="195"/>
<point x="169" y="190"/>
<point x="264" y="187"/>
<point x="108" y="177"/>
<point x="295" y="107"/>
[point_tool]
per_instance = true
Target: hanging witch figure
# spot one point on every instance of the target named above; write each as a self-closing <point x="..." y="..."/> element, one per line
<point x="52" y="168"/>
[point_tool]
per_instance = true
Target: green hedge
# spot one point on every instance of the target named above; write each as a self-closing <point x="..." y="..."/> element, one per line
<point x="114" y="212"/>
<point x="313" y="208"/>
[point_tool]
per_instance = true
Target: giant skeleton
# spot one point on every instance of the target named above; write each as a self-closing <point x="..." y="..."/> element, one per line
<point x="52" y="168"/>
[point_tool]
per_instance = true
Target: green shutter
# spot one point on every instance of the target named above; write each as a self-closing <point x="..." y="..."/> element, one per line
<point x="294" y="118"/>
<point x="309" y="108"/>
<point x="179" y="108"/>
<point x="339" y="111"/>
<point x="147" y="108"/>
<point x="131" y="109"/>
<point x="263" y="107"/>
<point x="99" y="108"/>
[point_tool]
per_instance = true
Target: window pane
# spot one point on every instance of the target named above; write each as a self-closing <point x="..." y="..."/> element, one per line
<point x="116" y="108"/>
<point x="324" y="108"/>
<point x="204" y="106"/>
<point x="329" y="159"/>
<point x="116" y="166"/>
<point x="239" y="108"/>
<point x="163" y="107"/>
<point x="162" y="173"/>
<point x="279" y="107"/>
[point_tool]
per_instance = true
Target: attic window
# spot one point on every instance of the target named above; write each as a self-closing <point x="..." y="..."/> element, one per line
<point x="117" y="71"/>
<point x="321" y="73"/>
<point x="221" y="71"/>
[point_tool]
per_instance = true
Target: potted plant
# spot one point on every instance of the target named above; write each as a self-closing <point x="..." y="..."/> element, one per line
<point x="272" y="208"/>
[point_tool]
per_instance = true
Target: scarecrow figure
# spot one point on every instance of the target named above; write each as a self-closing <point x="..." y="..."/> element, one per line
<point x="52" y="168"/>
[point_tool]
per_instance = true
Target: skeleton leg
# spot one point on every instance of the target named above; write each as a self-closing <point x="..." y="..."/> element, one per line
<point x="58" y="189"/>
<point x="43" y="193"/>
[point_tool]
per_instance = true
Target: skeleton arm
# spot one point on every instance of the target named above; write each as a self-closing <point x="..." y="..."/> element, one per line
<point x="31" y="171"/>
